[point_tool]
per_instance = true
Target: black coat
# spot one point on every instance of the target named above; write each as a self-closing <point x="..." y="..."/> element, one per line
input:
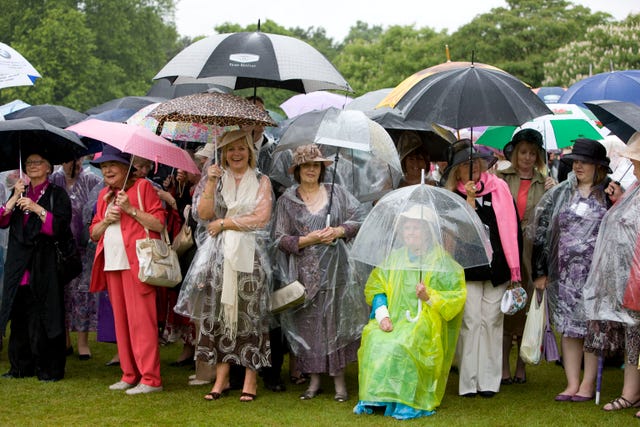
<point x="28" y="249"/>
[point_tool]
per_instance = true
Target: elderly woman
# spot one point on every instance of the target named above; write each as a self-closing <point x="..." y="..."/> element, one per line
<point x="226" y="287"/>
<point x="80" y="304"/>
<point x="38" y="214"/>
<point x="403" y="366"/>
<point x="527" y="184"/>
<point x="126" y="207"/>
<point x="613" y="285"/>
<point x="414" y="159"/>
<point x="324" y="332"/>
<point x="567" y="220"/>
<point x="480" y="343"/>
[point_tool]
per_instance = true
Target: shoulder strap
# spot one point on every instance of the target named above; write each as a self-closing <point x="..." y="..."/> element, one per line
<point x="164" y="233"/>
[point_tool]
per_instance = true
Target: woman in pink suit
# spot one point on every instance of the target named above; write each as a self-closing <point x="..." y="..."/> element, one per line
<point x="120" y="221"/>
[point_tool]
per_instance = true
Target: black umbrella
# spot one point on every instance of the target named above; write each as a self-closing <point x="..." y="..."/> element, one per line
<point x="252" y="59"/>
<point x="471" y="96"/>
<point x="620" y="117"/>
<point x="164" y="88"/>
<point x="56" y="115"/>
<point x="20" y="138"/>
<point x="127" y="102"/>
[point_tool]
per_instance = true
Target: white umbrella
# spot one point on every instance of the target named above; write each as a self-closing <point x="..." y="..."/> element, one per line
<point x="15" y="70"/>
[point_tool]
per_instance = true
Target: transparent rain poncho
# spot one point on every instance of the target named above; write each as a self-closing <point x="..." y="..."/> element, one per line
<point x="240" y="256"/>
<point x="564" y="232"/>
<point x="616" y="252"/>
<point x="332" y="317"/>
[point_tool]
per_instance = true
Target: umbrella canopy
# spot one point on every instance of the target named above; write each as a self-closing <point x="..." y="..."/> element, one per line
<point x="176" y="131"/>
<point x="549" y="94"/>
<point x="137" y="141"/>
<point x="15" y="70"/>
<point x="320" y="100"/>
<point x="557" y="132"/>
<point x="367" y="160"/>
<point x="56" y="115"/>
<point x="220" y="109"/>
<point x="473" y="95"/>
<point x="250" y="59"/>
<point x="369" y="100"/>
<point x="621" y="118"/>
<point x="21" y="137"/>
<point x="452" y="223"/>
<point x="614" y="85"/>
<point x="165" y="89"/>
<point x="127" y="102"/>
<point x="10" y="107"/>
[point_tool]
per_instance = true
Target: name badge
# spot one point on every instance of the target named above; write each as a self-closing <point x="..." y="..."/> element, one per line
<point x="581" y="208"/>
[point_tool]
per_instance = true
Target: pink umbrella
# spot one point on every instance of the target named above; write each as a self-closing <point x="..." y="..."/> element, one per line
<point x="138" y="141"/>
<point x="320" y="100"/>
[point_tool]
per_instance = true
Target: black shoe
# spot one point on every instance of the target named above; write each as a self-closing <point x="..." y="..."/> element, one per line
<point x="69" y="351"/>
<point x="112" y="363"/>
<point x="276" y="386"/>
<point x="9" y="375"/>
<point x="181" y="363"/>
<point x="469" y="395"/>
<point x="487" y="394"/>
<point x="84" y="356"/>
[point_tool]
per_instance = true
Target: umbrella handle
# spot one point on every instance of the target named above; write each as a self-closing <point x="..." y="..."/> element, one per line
<point x="414" y="319"/>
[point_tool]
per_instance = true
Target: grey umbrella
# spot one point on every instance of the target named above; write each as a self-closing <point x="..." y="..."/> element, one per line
<point x="56" y="115"/>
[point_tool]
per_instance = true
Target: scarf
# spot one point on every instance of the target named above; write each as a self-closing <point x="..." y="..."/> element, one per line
<point x="238" y="246"/>
<point x="507" y="218"/>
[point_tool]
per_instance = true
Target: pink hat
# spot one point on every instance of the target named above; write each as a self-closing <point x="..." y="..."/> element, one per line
<point x="307" y="154"/>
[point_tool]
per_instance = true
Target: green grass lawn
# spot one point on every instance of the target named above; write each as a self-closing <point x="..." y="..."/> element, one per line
<point x="83" y="399"/>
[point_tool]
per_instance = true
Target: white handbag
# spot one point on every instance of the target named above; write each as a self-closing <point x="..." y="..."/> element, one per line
<point x="533" y="334"/>
<point x="289" y="296"/>
<point x="158" y="262"/>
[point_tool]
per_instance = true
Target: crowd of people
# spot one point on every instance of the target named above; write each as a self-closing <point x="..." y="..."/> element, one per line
<point x="252" y="236"/>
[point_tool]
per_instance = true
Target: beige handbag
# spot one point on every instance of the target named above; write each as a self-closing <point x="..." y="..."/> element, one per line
<point x="184" y="239"/>
<point x="159" y="264"/>
<point x="289" y="296"/>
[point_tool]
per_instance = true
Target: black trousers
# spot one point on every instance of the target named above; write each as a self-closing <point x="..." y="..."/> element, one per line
<point x="31" y="351"/>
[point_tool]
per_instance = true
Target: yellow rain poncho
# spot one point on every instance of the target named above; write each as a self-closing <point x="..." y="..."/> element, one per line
<point x="410" y="365"/>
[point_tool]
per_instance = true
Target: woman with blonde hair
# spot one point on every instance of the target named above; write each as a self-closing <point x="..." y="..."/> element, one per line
<point x="226" y="287"/>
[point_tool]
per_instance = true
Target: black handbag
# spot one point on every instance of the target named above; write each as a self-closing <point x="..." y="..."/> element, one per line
<point x="68" y="260"/>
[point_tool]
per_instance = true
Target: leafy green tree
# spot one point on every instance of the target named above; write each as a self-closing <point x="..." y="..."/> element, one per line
<point x="89" y="51"/>
<point x="605" y="48"/>
<point x="376" y="59"/>
<point x="523" y="36"/>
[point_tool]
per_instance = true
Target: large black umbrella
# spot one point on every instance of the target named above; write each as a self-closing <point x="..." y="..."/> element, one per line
<point x="252" y="59"/>
<point x="620" y="117"/>
<point x="468" y="96"/>
<point x="127" y="103"/>
<point x="56" y="115"/>
<point x="20" y="138"/>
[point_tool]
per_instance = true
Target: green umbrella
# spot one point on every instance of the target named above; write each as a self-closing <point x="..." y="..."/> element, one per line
<point x="557" y="132"/>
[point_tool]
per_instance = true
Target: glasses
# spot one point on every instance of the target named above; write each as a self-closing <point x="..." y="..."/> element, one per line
<point x="34" y="162"/>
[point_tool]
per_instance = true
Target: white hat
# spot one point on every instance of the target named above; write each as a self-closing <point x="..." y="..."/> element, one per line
<point x="206" y="151"/>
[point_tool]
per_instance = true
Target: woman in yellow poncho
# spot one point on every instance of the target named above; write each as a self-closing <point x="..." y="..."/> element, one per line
<point x="404" y="365"/>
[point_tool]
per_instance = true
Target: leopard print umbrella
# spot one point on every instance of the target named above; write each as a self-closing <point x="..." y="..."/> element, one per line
<point x="220" y="109"/>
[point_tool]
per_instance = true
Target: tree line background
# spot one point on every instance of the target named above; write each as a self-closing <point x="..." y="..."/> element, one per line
<point x="92" y="51"/>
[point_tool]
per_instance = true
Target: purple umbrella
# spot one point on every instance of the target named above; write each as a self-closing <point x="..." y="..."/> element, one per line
<point x="320" y="100"/>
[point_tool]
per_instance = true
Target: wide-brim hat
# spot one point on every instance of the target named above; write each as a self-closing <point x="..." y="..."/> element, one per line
<point x="234" y="135"/>
<point x="112" y="154"/>
<point x="206" y="151"/>
<point x="632" y="151"/>
<point x="462" y="151"/>
<point x="588" y="151"/>
<point x="526" y="135"/>
<point x="410" y="142"/>
<point x="419" y="212"/>
<point x="307" y="154"/>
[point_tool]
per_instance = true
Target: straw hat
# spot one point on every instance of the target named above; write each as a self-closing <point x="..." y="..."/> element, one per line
<point x="633" y="147"/>
<point x="409" y="142"/>
<point x="306" y="154"/>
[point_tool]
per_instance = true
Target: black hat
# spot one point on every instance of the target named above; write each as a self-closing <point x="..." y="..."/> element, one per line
<point x="112" y="154"/>
<point x="589" y="151"/>
<point x="526" y="134"/>
<point x="459" y="153"/>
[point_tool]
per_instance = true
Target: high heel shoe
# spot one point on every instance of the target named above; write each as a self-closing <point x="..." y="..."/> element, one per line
<point x="214" y="395"/>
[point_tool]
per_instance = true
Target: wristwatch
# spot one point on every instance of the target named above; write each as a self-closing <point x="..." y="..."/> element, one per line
<point x="43" y="213"/>
<point x="134" y="213"/>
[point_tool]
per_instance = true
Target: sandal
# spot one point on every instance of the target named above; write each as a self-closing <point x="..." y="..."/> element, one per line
<point x="247" y="397"/>
<point x="620" y="403"/>
<point x="506" y="381"/>
<point x="214" y="395"/>
<point x="341" y="397"/>
<point x="310" y="394"/>
<point x="518" y="380"/>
